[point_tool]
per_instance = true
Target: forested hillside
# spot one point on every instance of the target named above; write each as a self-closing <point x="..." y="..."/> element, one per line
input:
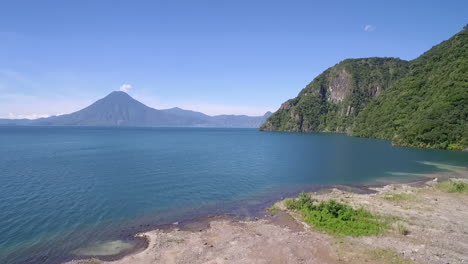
<point x="429" y="106"/>
<point x="422" y="103"/>
<point x="333" y="100"/>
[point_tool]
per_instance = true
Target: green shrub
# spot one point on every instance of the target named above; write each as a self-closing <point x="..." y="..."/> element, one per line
<point x="453" y="187"/>
<point x="289" y="203"/>
<point x="304" y="200"/>
<point x="337" y="218"/>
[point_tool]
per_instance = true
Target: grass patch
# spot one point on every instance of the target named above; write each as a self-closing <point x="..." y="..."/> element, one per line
<point x="337" y="218"/>
<point x="453" y="187"/>
<point x="273" y="209"/>
<point x="402" y="229"/>
<point x="387" y="256"/>
<point x="290" y="203"/>
<point x="399" y="197"/>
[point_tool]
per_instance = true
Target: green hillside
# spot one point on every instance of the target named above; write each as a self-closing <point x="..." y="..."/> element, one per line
<point x="333" y="100"/>
<point x="429" y="106"/>
<point x="419" y="103"/>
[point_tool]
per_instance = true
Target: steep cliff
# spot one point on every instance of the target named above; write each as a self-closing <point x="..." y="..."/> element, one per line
<point x="422" y="103"/>
<point x="333" y="99"/>
<point x="429" y="106"/>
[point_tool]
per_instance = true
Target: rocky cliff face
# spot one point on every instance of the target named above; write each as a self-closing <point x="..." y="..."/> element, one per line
<point x="340" y="87"/>
<point x="333" y="99"/>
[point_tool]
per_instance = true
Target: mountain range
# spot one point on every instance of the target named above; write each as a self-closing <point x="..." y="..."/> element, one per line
<point x="120" y="109"/>
<point x="420" y="103"/>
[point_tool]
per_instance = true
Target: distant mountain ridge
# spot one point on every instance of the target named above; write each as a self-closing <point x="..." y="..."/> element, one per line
<point x="420" y="103"/>
<point x="120" y="109"/>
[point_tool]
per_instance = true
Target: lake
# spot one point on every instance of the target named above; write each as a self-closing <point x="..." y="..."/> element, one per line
<point x="67" y="192"/>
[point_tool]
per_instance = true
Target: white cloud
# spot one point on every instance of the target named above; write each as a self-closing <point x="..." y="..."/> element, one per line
<point x="369" y="28"/>
<point x="25" y="116"/>
<point x="125" y="87"/>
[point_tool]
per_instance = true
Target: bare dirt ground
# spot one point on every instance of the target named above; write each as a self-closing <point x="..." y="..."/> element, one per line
<point x="428" y="226"/>
<point x="227" y="241"/>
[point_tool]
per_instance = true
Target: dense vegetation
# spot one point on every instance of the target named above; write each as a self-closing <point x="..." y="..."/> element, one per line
<point x="429" y="106"/>
<point x="333" y="99"/>
<point x="422" y="103"/>
<point x="453" y="187"/>
<point x="336" y="218"/>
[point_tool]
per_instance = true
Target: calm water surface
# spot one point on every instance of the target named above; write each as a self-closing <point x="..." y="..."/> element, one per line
<point x="66" y="191"/>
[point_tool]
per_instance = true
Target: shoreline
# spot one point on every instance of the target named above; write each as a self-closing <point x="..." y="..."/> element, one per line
<point x="132" y="233"/>
<point x="202" y="224"/>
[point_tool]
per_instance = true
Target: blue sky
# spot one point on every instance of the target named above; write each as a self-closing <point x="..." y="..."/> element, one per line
<point x="218" y="57"/>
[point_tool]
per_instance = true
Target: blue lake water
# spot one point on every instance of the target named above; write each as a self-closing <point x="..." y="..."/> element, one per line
<point x="66" y="188"/>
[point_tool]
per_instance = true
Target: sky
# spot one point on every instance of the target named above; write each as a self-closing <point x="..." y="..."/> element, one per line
<point x="217" y="57"/>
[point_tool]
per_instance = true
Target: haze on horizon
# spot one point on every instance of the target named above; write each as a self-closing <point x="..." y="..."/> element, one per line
<point x="215" y="57"/>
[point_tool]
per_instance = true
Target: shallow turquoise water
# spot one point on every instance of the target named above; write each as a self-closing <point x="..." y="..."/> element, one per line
<point x="65" y="188"/>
